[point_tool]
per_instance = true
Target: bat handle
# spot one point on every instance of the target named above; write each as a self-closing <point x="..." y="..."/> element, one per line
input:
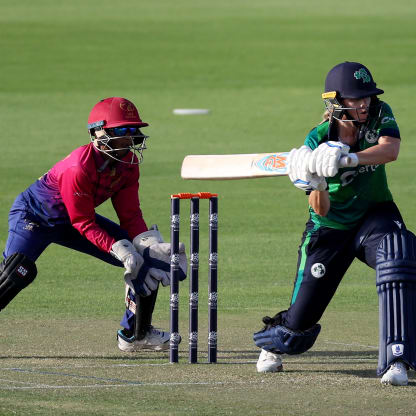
<point x="346" y="162"/>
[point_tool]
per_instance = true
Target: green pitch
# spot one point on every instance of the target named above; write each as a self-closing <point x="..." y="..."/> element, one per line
<point x="260" y="67"/>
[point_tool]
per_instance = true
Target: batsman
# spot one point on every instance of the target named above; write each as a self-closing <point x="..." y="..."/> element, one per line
<point x="60" y="208"/>
<point x="351" y="215"/>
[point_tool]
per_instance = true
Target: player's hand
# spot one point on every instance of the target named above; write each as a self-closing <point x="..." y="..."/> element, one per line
<point x="317" y="183"/>
<point x="158" y="257"/>
<point x="124" y="251"/>
<point x="136" y="275"/>
<point x="324" y="160"/>
<point x="148" y="238"/>
<point x="298" y="163"/>
<point x="142" y="283"/>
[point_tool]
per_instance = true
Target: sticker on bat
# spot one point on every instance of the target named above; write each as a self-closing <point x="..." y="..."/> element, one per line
<point x="273" y="163"/>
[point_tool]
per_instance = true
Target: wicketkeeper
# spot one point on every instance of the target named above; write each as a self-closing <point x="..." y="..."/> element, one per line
<point x="60" y="208"/>
<point x="352" y="215"/>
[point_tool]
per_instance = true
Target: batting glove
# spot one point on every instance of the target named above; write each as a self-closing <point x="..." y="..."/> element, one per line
<point x="324" y="160"/>
<point x="298" y="162"/>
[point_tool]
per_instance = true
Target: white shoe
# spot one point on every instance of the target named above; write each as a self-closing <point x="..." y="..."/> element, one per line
<point x="155" y="339"/>
<point x="269" y="362"/>
<point x="396" y="375"/>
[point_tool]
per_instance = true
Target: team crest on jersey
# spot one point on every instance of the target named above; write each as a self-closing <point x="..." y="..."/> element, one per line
<point x="362" y="74"/>
<point x="371" y="136"/>
<point x="318" y="270"/>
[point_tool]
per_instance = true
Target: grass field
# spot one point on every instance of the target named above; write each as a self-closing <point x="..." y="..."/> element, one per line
<point x="260" y="67"/>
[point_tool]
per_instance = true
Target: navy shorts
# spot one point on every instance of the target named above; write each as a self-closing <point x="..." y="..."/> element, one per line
<point x="325" y="255"/>
<point x="29" y="235"/>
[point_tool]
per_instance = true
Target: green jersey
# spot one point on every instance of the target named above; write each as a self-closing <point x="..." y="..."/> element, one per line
<point x="353" y="191"/>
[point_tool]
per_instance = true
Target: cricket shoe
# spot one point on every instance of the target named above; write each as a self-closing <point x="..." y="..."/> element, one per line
<point x="155" y="340"/>
<point x="396" y="375"/>
<point x="269" y="362"/>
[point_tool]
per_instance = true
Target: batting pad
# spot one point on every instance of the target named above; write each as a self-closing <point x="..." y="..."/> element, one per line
<point x="279" y="339"/>
<point x="396" y="288"/>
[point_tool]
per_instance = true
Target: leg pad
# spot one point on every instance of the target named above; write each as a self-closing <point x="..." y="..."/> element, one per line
<point x="16" y="272"/>
<point x="279" y="339"/>
<point x="396" y="288"/>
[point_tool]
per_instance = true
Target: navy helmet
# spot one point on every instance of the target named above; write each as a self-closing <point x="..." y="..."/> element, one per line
<point x="351" y="80"/>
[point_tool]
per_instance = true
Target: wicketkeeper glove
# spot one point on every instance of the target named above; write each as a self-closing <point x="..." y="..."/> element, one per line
<point x="136" y="270"/>
<point x="298" y="163"/>
<point x="124" y="251"/>
<point x="148" y="238"/>
<point x="157" y="254"/>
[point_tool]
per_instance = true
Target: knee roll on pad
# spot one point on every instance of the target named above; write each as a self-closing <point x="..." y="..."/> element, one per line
<point x="16" y="272"/>
<point x="280" y="339"/>
<point x="396" y="288"/>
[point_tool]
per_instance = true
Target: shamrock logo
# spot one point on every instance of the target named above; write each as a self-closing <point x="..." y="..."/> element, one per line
<point x="318" y="270"/>
<point x="362" y="74"/>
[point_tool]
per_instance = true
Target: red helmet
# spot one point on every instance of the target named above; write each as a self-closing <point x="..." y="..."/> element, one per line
<point x="114" y="112"/>
<point x="106" y="124"/>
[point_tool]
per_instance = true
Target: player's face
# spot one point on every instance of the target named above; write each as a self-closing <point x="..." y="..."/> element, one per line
<point x="115" y="143"/>
<point x="122" y="141"/>
<point x="357" y="108"/>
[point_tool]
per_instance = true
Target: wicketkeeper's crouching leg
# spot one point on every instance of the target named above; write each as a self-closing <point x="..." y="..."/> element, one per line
<point x="141" y="293"/>
<point x="396" y="287"/>
<point x="138" y="333"/>
<point x="16" y="272"/>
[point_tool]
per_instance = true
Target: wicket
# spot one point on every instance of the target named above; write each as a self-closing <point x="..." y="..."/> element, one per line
<point x="194" y="276"/>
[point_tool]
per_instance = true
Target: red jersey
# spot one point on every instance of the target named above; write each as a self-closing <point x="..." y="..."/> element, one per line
<point x="71" y="190"/>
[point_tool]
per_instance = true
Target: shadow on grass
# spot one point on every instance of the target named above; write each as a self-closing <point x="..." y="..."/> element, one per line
<point x="222" y="354"/>
<point x="367" y="354"/>
<point x="368" y="374"/>
<point x="364" y="373"/>
<point x="244" y="357"/>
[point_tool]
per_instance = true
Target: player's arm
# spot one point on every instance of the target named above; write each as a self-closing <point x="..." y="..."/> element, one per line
<point x="319" y="201"/>
<point x="387" y="150"/>
<point x="127" y="206"/>
<point x="78" y="196"/>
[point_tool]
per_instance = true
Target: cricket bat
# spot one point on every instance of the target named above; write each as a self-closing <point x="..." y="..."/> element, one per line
<point x="238" y="166"/>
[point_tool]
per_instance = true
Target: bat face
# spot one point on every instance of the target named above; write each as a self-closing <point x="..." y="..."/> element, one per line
<point x="234" y="166"/>
<point x="241" y="166"/>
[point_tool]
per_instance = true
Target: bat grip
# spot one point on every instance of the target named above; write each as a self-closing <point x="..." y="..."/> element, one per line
<point x="347" y="161"/>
